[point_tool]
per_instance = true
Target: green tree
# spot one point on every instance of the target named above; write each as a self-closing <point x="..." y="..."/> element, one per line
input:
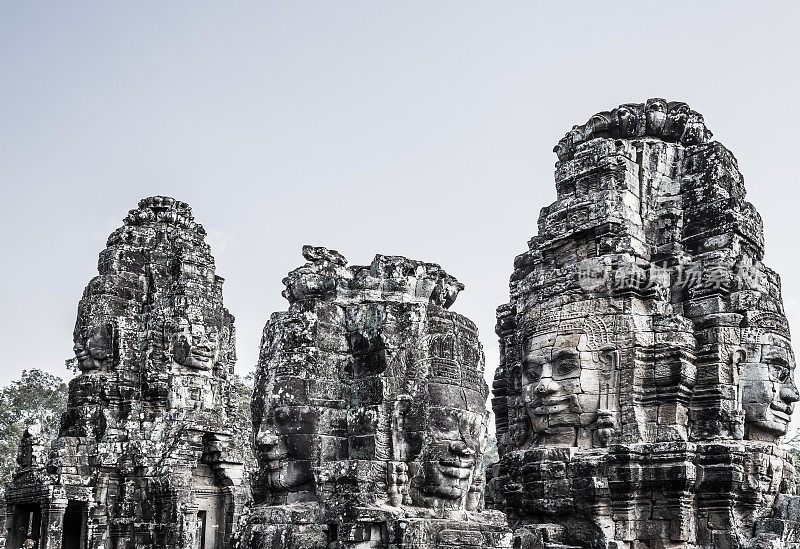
<point x="36" y="395"/>
<point x="243" y="385"/>
<point x="791" y="443"/>
<point x="490" y="455"/>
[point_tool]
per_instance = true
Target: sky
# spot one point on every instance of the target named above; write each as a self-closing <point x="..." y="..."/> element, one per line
<point x="422" y="129"/>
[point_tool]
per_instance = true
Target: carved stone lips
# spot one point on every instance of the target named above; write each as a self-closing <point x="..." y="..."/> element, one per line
<point x="782" y="410"/>
<point x="203" y="351"/>
<point x="276" y="459"/>
<point x="457" y="468"/>
<point x="549" y="406"/>
<point x="81" y="354"/>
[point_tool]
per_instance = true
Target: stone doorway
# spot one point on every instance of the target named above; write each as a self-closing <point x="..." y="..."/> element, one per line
<point x="211" y="498"/>
<point x="201" y="528"/>
<point x="25" y="522"/>
<point x="74" y="526"/>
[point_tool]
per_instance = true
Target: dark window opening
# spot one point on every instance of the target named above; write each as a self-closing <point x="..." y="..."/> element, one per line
<point x="25" y="523"/>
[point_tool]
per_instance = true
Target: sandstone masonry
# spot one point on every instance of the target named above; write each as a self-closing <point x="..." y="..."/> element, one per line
<point x="369" y="413"/>
<point x="148" y="454"/>
<point x="646" y="378"/>
<point x="646" y="369"/>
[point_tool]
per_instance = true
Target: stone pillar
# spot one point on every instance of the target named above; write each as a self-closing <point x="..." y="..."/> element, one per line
<point x="2" y="521"/>
<point x="96" y="526"/>
<point x="52" y="528"/>
<point x="189" y="536"/>
<point x="86" y="529"/>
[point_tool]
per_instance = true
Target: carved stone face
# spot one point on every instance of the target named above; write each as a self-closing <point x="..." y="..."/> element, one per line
<point x="521" y="428"/>
<point x="768" y="388"/>
<point x="449" y="456"/>
<point x="560" y="387"/>
<point x="195" y="347"/>
<point x="94" y="347"/>
<point x="284" y="446"/>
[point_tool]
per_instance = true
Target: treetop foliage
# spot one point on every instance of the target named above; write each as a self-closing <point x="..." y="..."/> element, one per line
<point x="36" y="395"/>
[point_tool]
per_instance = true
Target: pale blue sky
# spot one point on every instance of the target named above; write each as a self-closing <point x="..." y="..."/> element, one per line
<point x="416" y="128"/>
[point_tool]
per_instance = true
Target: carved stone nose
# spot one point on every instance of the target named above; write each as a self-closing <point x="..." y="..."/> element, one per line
<point x="789" y="393"/>
<point x="266" y="437"/>
<point x="460" y="448"/>
<point x="546" y="386"/>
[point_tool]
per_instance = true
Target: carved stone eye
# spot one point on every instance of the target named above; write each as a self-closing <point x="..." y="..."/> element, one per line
<point x="779" y="369"/>
<point x="281" y="416"/>
<point x="533" y="371"/>
<point x="566" y="366"/>
<point x="565" y="363"/>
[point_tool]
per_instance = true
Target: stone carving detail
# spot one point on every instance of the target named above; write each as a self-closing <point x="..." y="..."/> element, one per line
<point x="646" y="368"/>
<point x="369" y="413"/>
<point x="672" y="122"/>
<point x="149" y="452"/>
<point x="32" y="454"/>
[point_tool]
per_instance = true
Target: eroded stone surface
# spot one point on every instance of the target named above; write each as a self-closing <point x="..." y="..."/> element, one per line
<point x="369" y="413"/>
<point x="646" y="368"/>
<point x="149" y="452"/>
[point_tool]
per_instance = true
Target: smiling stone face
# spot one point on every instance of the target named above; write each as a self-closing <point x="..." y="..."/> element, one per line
<point x="94" y="346"/>
<point x="285" y="443"/>
<point x="444" y="427"/>
<point x="450" y="455"/>
<point x="562" y="378"/>
<point x="195" y="347"/>
<point x="767" y="377"/>
<point x="551" y="386"/>
<point x="562" y="368"/>
<point x="299" y="421"/>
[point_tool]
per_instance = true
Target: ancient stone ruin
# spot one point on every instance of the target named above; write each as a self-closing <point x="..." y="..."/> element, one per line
<point x="646" y="377"/>
<point x="646" y="370"/>
<point x="369" y="413"/>
<point x="149" y="454"/>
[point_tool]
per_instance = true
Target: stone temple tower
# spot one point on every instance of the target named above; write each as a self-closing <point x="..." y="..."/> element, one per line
<point x="149" y="453"/>
<point x="369" y="413"/>
<point x="646" y="367"/>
